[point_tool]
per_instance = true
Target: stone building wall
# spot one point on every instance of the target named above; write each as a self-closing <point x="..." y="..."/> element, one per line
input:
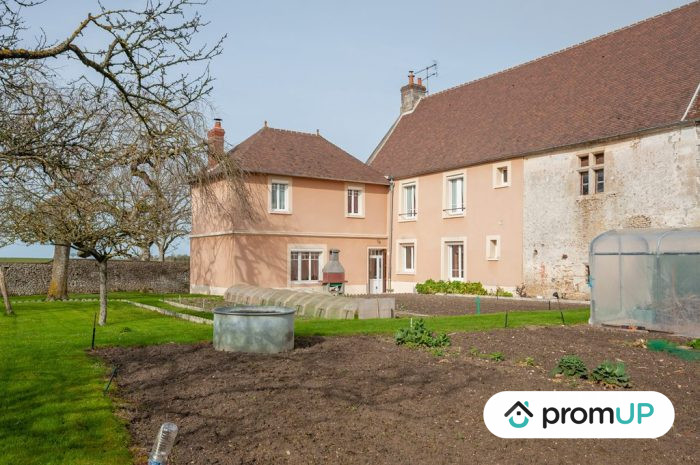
<point x="650" y="181"/>
<point x="122" y="275"/>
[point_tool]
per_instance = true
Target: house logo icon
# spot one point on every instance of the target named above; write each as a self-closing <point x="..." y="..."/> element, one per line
<point x="517" y="410"/>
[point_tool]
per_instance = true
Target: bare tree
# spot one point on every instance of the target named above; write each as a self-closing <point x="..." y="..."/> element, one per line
<point x="140" y="53"/>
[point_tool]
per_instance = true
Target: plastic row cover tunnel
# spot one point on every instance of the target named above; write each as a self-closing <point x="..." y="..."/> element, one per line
<point x="647" y="278"/>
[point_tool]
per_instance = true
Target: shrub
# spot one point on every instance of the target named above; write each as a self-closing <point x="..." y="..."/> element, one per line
<point x="500" y="292"/>
<point x="451" y="287"/>
<point x="695" y="344"/>
<point x="417" y="335"/>
<point x="571" y="365"/>
<point x="614" y="374"/>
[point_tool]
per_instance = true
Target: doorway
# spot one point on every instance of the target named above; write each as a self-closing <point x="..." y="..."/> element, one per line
<point x="377" y="271"/>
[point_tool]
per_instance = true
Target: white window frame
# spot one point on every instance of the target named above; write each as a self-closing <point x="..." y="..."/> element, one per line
<point x="445" y="262"/>
<point x="497" y="256"/>
<point x="322" y="249"/>
<point x="361" y="200"/>
<point x="403" y="215"/>
<point x="497" y="180"/>
<point x="288" y="196"/>
<point x="401" y="256"/>
<point x="447" y="210"/>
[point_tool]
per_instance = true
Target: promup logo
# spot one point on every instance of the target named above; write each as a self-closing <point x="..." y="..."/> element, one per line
<point x="575" y="414"/>
<point x="520" y="411"/>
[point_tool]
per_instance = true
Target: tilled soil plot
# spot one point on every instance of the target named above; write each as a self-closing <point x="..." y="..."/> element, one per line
<point x="360" y="400"/>
<point x="427" y="304"/>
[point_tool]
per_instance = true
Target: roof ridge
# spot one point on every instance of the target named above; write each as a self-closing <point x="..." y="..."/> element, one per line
<point x="542" y="57"/>
<point x="290" y="131"/>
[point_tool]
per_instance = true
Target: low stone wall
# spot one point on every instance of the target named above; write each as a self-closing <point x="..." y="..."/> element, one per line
<point x="313" y="304"/>
<point x="83" y="277"/>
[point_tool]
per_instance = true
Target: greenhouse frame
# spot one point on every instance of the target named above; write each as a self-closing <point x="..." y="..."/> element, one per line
<point x="647" y="279"/>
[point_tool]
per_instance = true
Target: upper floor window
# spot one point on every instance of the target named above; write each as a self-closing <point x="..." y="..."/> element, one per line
<point x="591" y="169"/>
<point x="279" y="196"/>
<point x="454" y="195"/>
<point x="354" y="201"/>
<point x="408" y="201"/>
<point x="502" y="174"/>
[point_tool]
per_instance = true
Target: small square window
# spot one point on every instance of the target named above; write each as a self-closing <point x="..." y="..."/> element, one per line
<point x="501" y="175"/>
<point x="584" y="161"/>
<point x="599" y="158"/>
<point x="493" y="247"/>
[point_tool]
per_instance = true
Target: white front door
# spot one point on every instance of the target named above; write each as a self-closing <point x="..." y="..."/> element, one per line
<point x="376" y="274"/>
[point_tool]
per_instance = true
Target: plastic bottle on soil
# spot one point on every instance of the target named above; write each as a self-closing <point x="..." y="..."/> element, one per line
<point x="163" y="445"/>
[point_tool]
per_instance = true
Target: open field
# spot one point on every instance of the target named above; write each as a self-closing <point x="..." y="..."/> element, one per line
<point x="362" y="399"/>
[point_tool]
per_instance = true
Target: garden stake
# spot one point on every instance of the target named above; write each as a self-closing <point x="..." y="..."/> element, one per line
<point x="506" y="325"/>
<point x="94" y="326"/>
<point x="556" y="294"/>
<point x="109" y="383"/>
<point x="478" y="305"/>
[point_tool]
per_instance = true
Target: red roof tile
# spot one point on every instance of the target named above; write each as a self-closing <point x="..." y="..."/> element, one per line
<point x="291" y="153"/>
<point x="636" y="78"/>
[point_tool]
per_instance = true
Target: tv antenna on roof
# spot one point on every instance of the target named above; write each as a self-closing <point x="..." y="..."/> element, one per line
<point x="428" y="72"/>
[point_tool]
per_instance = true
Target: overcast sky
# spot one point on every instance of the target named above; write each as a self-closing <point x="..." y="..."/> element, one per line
<point x="337" y="66"/>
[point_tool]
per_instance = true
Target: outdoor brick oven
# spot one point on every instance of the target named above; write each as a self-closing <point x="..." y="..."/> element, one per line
<point x="334" y="274"/>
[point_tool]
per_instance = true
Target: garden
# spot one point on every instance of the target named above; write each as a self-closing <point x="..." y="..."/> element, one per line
<point x="401" y="390"/>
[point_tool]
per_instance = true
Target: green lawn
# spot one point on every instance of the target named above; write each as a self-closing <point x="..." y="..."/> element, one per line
<point x="52" y="410"/>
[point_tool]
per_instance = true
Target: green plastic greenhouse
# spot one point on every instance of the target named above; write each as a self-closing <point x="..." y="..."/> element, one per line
<point x="647" y="278"/>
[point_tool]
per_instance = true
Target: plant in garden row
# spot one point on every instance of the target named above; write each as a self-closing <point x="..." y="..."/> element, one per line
<point x="571" y="365"/>
<point x="614" y="374"/>
<point x="417" y="335"/>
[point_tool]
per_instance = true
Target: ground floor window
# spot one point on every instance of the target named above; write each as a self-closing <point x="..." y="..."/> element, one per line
<point x="408" y="258"/>
<point x="455" y="260"/>
<point x="304" y="266"/>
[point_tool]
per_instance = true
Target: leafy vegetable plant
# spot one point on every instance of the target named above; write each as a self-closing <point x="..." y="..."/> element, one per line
<point x="614" y="374"/>
<point x="571" y="365"/>
<point x="417" y="335"/>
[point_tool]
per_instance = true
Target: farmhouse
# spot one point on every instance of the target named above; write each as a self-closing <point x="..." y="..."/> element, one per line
<point x="503" y="180"/>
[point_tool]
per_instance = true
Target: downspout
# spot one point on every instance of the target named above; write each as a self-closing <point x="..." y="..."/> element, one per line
<point x="390" y="246"/>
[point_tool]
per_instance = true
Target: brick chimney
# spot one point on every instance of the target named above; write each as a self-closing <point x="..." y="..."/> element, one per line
<point x="215" y="140"/>
<point x="411" y="93"/>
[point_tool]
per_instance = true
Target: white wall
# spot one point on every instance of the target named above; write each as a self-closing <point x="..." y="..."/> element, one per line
<point x="651" y="181"/>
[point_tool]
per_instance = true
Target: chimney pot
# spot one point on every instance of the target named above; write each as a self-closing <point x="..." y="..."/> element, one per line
<point x="215" y="142"/>
<point x="411" y="93"/>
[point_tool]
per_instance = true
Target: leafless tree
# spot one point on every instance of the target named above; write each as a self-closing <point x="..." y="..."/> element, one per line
<point x="135" y="112"/>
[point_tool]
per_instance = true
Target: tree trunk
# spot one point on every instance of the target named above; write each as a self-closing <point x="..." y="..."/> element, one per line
<point x="58" y="287"/>
<point x="5" y="296"/>
<point x="103" y="292"/>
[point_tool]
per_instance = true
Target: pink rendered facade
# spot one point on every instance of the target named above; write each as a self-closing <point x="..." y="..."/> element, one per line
<point x="287" y="245"/>
<point x="467" y="225"/>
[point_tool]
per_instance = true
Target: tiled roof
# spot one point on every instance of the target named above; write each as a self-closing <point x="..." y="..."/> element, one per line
<point x="291" y="153"/>
<point x="640" y="77"/>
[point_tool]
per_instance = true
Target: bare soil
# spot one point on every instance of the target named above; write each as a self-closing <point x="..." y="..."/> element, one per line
<point x="433" y="305"/>
<point x="361" y="399"/>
